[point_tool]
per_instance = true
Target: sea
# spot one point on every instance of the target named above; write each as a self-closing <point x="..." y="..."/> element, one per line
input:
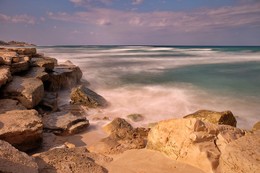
<point x="164" y="82"/>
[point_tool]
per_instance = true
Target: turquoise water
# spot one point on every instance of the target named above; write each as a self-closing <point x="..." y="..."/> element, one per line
<point x="171" y="81"/>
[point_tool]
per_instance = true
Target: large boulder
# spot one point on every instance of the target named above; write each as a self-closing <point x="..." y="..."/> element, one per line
<point x="5" y="75"/>
<point x="87" y="97"/>
<point x="226" y="117"/>
<point x="29" y="91"/>
<point x="21" y="65"/>
<point x="242" y="155"/>
<point x="62" y="123"/>
<point x="69" y="160"/>
<point x="46" y="63"/>
<point x="14" y="161"/>
<point x="6" y="57"/>
<point x="9" y="105"/>
<point x="21" y="128"/>
<point x="37" y="72"/>
<point x="49" y="102"/>
<point x="192" y="141"/>
<point x="122" y="137"/>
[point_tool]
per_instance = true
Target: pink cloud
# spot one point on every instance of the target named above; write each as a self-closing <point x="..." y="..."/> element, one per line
<point x="17" y="19"/>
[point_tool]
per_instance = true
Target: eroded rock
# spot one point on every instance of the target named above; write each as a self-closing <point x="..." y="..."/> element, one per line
<point x="9" y="105"/>
<point x="37" y="72"/>
<point x="22" y="51"/>
<point x="256" y="126"/>
<point x="5" y="75"/>
<point x="6" y="57"/>
<point x="46" y="63"/>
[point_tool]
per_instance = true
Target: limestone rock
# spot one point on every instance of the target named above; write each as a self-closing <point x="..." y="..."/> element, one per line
<point x="29" y="91"/>
<point x="135" y="117"/>
<point x="62" y="123"/>
<point x="19" y="66"/>
<point x="9" y="105"/>
<point x="87" y="97"/>
<point x="5" y="75"/>
<point x="192" y="141"/>
<point x="21" y="128"/>
<point x="42" y="62"/>
<point x="37" y="72"/>
<point x="242" y="155"/>
<point x="256" y="126"/>
<point x="22" y="51"/>
<point x="225" y="117"/>
<point x="68" y="160"/>
<point x="14" y="161"/>
<point x="122" y="137"/>
<point x="6" y="57"/>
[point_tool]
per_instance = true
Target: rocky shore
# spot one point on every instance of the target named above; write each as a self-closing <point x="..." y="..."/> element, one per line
<point x="38" y="129"/>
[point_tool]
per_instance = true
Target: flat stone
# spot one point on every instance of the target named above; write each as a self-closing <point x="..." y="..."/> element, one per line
<point x="5" y="75"/>
<point x="9" y="105"/>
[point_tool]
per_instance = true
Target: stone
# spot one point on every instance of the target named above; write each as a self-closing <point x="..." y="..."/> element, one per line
<point x="242" y="155"/>
<point x="69" y="160"/>
<point x="21" y="128"/>
<point x="192" y="141"/>
<point x="74" y="109"/>
<point x="22" y="51"/>
<point x="6" y="57"/>
<point x="19" y="66"/>
<point x="62" y="123"/>
<point x="42" y="62"/>
<point x="135" y="117"/>
<point x="14" y="161"/>
<point x="87" y="97"/>
<point x="9" y="105"/>
<point x="49" y="102"/>
<point x="122" y="137"/>
<point x="37" y="72"/>
<point x="226" y="117"/>
<point x="256" y="126"/>
<point x="29" y="91"/>
<point x="5" y="75"/>
<point x="63" y="77"/>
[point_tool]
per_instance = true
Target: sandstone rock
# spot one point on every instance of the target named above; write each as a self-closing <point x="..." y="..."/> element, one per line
<point x="135" y="117"/>
<point x="29" y="91"/>
<point x="242" y="155"/>
<point x="14" y="161"/>
<point x="65" y="160"/>
<point x="6" y="57"/>
<point x="19" y="66"/>
<point x="21" y="128"/>
<point x="49" y="101"/>
<point x="37" y="72"/>
<point x="256" y="126"/>
<point x="5" y="75"/>
<point x="74" y="109"/>
<point x="122" y="137"/>
<point x="63" y="77"/>
<point x="9" y="105"/>
<point x="42" y="62"/>
<point x="62" y="123"/>
<point x="192" y="141"/>
<point x="225" y="117"/>
<point x="87" y="97"/>
<point x="22" y="51"/>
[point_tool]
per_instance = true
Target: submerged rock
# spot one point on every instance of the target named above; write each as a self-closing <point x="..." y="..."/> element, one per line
<point x="21" y="128"/>
<point x="226" y="117"/>
<point x="87" y="97"/>
<point x="135" y="117"/>
<point x="14" y="161"/>
<point x="5" y="75"/>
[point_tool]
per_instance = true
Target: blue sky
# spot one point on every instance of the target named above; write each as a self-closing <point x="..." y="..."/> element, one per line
<point x="135" y="22"/>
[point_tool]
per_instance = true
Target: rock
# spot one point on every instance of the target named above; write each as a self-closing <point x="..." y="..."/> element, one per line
<point x="87" y="97"/>
<point x="20" y="66"/>
<point x="74" y="109"/>
<point x="49" y="101"/>
<point x="62" y="123"/>
<point x="42" y="62"/>
<point x="135" y="117"/>
<point x="122" y="137"/>
<point x="22" y="51"/>
<point x="242" y="155"/>
<point x="69" y="160"/>
<point x="63" y="77"/>
<point x="29" y="91"/>
<point x="14" y="161"/>
<point x="256" y="126"/>
<point x="192" y="141"/>
<point x="226" y="117"/>
<point x="37" y="72"/>
<point x="19" y="43"/>
<point x="21" y="128"/>
<point x="6" y="57"/>
<point x="9" y="105"/>
<point x="5" y="75"/>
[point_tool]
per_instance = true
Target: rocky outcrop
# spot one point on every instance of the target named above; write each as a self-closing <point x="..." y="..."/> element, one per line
<point x="9" y="105"/>
<point x="256" y="126"/>
<point x="22" y="51"/>
<point x="29" y="91"/>
<point x="21" y="128"/>
<point x="6" y="57"/>
<point x="87" y="97"/>
<point x="37" y="72"/>
<point x="22" y="64"/>
<point x="122" y="137"/>
<point x="19" y="43"/>
<point x="241" y="155"/>
<point x="46" y="63"/>
<point x="5" y="75"/>
<point x="226" y="117"/>
<point x="73" y="160"/>
<point x="62" y="123"/>
<point x="192" y="141"/>
<point x="14" y="161"/>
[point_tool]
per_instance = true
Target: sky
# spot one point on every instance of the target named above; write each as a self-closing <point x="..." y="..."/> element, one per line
<point x="131" y="22"/>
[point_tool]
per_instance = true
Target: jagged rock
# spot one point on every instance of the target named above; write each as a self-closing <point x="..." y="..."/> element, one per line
<point x="22" y="51"/>
<point x="256" y="126"/>
<point x="37" y="72"/>
<point x="122" y="137"/>
<point x="62" y="123"/>
<point x="226" y="117"/>
<point x="9" y="105"/>
<point x="14" y="161"/>
<point x="6" y="57"/>
<point x="242" y="155"/>
<point x="63" y="77"/>
<point x="42" y="62"/>
<point x="21" y="128"/>
<point x="86" y="97"/>
<point x="135" y="117"/>
<point x="5" y="75"/>
<point x="49" y="101"/>
<point x="29" y="91"/>
<point x="192" y="141"/>
<point x="70" y="160"/>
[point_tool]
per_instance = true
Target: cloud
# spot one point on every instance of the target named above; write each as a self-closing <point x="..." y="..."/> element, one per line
<point x="17" y="19"/>
<point x="137" y="2"/>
